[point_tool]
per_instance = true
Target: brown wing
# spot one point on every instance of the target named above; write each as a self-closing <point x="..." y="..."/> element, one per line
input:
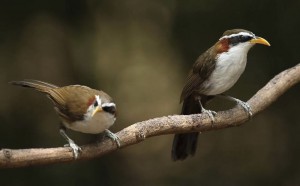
<point x="201" y="70"/>
<point x="70" y="101"/>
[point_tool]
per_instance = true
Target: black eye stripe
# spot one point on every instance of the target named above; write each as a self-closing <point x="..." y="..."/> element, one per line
<point x="245" y="38"/>
<point x="96" y="103"/>
<point x="239" y="39"/>
<point x="109" y="109"/>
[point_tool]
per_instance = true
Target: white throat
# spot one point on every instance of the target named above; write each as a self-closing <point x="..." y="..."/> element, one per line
<point x="229" y="67"/>
<point x="95" y="125"/>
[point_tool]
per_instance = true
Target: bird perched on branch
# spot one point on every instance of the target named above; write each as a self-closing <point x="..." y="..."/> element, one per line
<point x="213" y="73"/>
<point x="80" y="108"/>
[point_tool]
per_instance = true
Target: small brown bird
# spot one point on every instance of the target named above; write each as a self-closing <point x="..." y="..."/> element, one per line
<point x="213" y="73"/>
<point x="80" y="108"/>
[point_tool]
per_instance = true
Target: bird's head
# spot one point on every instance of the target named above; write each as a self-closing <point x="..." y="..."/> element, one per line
<point x="238" y="39"/>
<point x="98" y="105"/>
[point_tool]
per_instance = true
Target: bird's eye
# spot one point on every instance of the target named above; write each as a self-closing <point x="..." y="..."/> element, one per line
<point x="95" y="103"/>
<point x="244" y="38"/>
<point x="109" y="109"/>
<point x="234" y="40"/>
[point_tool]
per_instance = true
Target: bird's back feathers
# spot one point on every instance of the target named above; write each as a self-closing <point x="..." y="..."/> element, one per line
<point x="68" y="99"/>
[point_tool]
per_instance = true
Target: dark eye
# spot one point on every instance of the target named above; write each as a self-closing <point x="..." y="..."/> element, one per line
<point x="109" y="109"/>
<point x="96" y="104"/>
<point x="244" y="38"/>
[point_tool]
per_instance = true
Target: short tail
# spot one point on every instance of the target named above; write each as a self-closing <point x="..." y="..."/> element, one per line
<point x="35" y="84"/>
<point x="185" y="144"/>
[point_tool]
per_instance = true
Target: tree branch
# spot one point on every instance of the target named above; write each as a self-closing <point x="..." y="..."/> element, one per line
<point x="158" y="126"/>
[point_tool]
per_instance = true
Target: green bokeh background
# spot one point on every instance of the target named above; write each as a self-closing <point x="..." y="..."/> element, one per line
<point x="140" y="52"/>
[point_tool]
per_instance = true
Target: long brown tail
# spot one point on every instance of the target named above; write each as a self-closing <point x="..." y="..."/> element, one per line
<point x="186" y="144"/>
<point x="35" y="84"/>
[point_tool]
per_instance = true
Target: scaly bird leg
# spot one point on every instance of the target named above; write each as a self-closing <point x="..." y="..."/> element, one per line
<point x="112" y="136"/>
<point x="210" y="113"/>
<point x="75" y="148"/>
<point x="245" y="105"/>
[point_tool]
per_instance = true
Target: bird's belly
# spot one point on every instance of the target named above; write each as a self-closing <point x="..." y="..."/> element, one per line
<point x="95" y="125"/>
<point x="224" y="77"/>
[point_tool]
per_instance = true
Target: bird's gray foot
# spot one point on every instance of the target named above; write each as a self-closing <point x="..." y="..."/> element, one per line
<point x="245" y="106"/>
<point x="210" y="113"/>
<point x="75" y="148"/>
<point x="112" y="136"/>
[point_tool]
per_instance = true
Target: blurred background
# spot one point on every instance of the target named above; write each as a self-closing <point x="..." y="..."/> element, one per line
<point x="140" y="52"/>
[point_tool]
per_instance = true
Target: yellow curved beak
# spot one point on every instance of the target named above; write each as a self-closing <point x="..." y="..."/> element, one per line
<point x="260" y="40"/>
<point x="98" y="109"/>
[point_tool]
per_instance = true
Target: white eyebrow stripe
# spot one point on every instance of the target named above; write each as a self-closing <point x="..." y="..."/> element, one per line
<point x="238" y="34"/>
<point x="108" y="105"/>
<point x="98" y="99"/>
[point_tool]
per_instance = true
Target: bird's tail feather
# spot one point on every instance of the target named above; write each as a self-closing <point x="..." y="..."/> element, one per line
<point x="35" y="84"/>
<point x="186" y="144"/>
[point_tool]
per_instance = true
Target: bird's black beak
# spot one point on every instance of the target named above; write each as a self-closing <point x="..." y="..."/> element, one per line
<point x="259" y="40"/>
